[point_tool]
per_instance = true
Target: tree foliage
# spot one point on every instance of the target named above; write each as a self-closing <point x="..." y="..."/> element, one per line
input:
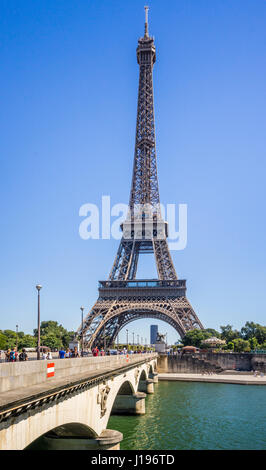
<point x="195" y="337"/>
<point x="241" y="345"/>
<point x="228" y="334"/>
<point x="213" y="332"/>
<point x="254" y="330"/>
<point x="54" y="335"/>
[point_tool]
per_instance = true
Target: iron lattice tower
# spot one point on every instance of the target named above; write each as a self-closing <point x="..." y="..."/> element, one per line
<point x="122" y="298"/>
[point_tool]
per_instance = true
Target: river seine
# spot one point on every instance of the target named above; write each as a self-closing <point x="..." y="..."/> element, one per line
<point x="185" y="415"/>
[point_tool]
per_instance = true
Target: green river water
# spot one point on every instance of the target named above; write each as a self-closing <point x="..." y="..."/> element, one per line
<point x="186" y="415"/>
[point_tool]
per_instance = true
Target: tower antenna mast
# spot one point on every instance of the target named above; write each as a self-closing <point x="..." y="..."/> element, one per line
<point x="146" y="22"/>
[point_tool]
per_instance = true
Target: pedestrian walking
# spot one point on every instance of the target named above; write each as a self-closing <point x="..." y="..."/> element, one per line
<point x="95" y="352"/>
<point x="12" y="356"/>
<point x="62" y="353"/>
<point x="23" y="356"/>
<point x="49" y="356"/>
<point x="7" y="354"/>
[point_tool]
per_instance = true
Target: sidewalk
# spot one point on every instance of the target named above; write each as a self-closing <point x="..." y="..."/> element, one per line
<point x="241" y="379"/>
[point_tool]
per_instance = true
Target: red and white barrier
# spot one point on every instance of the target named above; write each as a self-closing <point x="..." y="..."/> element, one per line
<point x="50" y="369"/>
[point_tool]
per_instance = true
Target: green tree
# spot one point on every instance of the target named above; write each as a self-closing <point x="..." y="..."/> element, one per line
<point x="254" y="330"/>
<point x="253" y="342"/>
<point x="228" y="334"/>
<point x="11" y="338"/>
<point x="241" y="345"/>
<point x="52" y="341"/>
<point x="195" y="337"/>
<point x="54" y="335"/>
<point x="27" y="341"/>
<point x="3" y="341"/>
<point x="67" y="338"/>
<point x="213" y="332"/>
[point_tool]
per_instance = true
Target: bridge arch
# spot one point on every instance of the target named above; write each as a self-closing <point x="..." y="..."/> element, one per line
<point x="143" y="375"/>
<point x="126" y="388"/>
<point x="66" y="431"/>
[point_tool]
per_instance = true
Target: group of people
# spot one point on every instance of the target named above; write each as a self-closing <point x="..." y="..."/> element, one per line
<point x="100" y="352"/>
<point x="47" y="355"/>
<point x="97" y="352"/>
<point x="12" y="355"/>
<point x="258" y="373"/>
<point x="69" y="353"/>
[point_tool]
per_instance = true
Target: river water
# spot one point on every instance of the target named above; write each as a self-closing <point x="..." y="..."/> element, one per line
<point x="186" y="415"/>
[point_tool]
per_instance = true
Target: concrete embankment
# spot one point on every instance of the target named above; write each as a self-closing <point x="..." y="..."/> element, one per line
<point x="210" y="362"/>
<point x="240" y="379"/>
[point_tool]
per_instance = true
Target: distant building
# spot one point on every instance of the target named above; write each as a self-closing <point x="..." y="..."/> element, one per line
<point x="154" y="331"/>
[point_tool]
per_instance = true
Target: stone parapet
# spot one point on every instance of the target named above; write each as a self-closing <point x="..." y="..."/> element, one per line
<point x="18" y="375"/>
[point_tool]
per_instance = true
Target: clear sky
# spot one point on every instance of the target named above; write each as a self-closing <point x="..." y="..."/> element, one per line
<point x="68" y="88"/>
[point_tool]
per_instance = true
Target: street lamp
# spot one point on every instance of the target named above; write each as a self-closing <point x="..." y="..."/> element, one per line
<point x="127" y="338"/>
<point x="38" y="287"/>
<point x="82" y="341"/>
<point x="133" y="338"/>
<point x="16" y="337"/>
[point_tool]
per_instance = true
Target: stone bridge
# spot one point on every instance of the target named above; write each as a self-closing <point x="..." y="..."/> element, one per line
<point x="69" y="401"/>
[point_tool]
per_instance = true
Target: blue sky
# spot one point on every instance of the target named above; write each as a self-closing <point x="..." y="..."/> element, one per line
<point x="68" y="88"/>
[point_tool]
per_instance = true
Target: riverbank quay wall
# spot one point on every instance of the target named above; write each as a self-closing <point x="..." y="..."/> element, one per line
<point x="215" y="362"/>
<point x="71" y="406"/>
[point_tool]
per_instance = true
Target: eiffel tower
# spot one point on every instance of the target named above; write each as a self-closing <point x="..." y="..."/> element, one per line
<point x="123" y="298"/>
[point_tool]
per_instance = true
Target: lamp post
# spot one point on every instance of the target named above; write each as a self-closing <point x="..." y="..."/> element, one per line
<point x="38" y="287"/>
<point x="127" y="339"/>
<point x="16" y="337"/>
<point x="138" y="339"/>
<point x="82" y="340"/>
<point x="133" y="338"/>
